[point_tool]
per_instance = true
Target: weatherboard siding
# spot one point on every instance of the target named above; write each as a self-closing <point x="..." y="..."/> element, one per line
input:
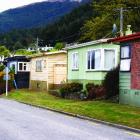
<point x="125" y="80"/>
<point x="82" y="74"/>
<point x="53" y="72"/>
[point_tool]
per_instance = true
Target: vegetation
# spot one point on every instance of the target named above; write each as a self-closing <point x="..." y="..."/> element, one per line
<point x="70" y="88"/>
<point x="23" y="52"/>
<point x="67" y="29"/>
<point x="95" y="91"/>
<point x="35" y="15"/>
<point x="4" y="51"/>
<point x="111" y="112"/>
<point x="111" y="83"/>
<point x="107" y="14"/>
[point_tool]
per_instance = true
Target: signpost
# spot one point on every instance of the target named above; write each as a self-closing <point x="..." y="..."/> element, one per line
<point x="6" y="77"/>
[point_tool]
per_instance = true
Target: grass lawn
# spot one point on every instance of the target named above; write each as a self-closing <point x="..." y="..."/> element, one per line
<point x="111" y="112"/>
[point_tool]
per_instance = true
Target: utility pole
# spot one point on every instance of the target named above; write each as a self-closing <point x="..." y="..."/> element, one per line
<point x="121" y="21"/>
<point x="121" y="11"/>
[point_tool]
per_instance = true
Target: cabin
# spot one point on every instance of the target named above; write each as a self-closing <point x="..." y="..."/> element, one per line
<point x="21" y="67"/>
<point x="48" y="70"/>
<point x="89" y="62"/>
<point x="129" y="76"/>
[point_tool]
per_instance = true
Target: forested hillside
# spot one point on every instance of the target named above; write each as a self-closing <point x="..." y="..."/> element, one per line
<point x="35" y="15"/>
<point x="87" y="22"/>
<point x="67" y="29"/>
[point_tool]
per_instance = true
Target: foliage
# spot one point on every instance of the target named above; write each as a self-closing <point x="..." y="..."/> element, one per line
<point x="2" y="82"/>
<point x="17" y="45"/>
<point x="69" y="88"/>
<point x="100" y="26"/>
<point x="35" y="15"/>
<point x="66" y="29"/>
<point x="23" y="52"/>
<point x="95" y="91"/>
<point x="1" y="67"/>
<point x="111" y="83"/>
<point x="4" y="51"/>
<point x="59" y="46"/>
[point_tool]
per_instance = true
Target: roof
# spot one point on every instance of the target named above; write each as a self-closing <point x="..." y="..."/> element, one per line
<point x="47" y="54"/>
<point x="17" y="58"/>
<point x="87" y="44"/>
<point x="126" y="38"/>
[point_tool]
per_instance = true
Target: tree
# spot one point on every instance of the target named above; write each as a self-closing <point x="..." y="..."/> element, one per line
<point x="18" y="45"/>
<point x="23" y="52"/>
<point x="4" y="51"/>
<point x="107" y="13"/>
<point x="59" y="46"/>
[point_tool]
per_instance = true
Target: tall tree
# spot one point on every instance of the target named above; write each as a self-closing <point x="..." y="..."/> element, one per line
<point x="108" y="13"/>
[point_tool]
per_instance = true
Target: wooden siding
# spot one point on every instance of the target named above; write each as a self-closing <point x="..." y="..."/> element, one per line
<point x="54" y="69"/>
<point x="57" y="75"/>
<point x="125" y="80"/>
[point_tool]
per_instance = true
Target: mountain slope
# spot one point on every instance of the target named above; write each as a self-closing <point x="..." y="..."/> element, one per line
<point x="35" y="15"/>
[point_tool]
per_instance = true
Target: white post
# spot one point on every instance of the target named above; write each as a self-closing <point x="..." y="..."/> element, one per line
<point x="6" y="81"/>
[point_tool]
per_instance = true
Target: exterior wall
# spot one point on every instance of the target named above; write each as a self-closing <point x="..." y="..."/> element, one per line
<point x="128" y="95"/>
<point x="50" y="75"/>
<point x="129" y="89"/>
<point x="57" y="69"/>
<point x="82" y="74"/>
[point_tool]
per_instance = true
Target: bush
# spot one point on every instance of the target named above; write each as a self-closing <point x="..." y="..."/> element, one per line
<point x="95" y="91"/>
<point x="111" y="83"/>
<point x="70" y="88"/>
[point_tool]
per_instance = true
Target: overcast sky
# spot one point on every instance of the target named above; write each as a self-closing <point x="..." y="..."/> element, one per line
<point x="7" y="4"/>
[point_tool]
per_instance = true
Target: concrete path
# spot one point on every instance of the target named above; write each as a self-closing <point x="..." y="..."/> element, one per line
<point x="22" y="122"/>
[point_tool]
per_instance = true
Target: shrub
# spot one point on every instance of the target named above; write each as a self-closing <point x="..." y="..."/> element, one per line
<point x="111" y="83"/>
<point x="95" y="91"/>
<point x="70" y="88"/>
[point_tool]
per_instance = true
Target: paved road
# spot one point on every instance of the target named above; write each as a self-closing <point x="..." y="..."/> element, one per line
<point x="23" y="122"/>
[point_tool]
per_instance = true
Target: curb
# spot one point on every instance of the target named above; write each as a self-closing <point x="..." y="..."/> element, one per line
<point x="86" y="118"/>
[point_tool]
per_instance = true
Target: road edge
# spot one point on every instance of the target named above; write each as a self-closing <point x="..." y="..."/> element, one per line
<point x="123" y="127"/>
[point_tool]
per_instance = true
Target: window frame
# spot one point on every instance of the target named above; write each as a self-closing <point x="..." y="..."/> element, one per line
<point x="90" y="60"/>
<point x="126" y="58"/>
<point x="72" y="64"/>
<point x="129" y="52"/>
<point x="102" y="63"/>
<point x="41" y="66"/>
<point x="115" y="53"/>
<point x="23" y="64"/>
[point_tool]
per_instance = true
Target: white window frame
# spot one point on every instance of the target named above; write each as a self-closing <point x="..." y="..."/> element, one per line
<point x="90" y="60"/>
<point x="75" y="66"/>
<point x="111" y="49"/>
<point x="23" y="63"/>
<point x="41" y="67"/>
<point x="125" y="60"/>
<point x="102" y="64"/>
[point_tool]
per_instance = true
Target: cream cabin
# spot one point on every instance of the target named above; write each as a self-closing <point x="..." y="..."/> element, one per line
<point x="48" y="71"/>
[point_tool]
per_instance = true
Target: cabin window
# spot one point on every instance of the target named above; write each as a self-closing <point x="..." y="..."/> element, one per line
<point x="109" y="59"/>
<point x="75" y="60"/>
<point x="125" y="52"/>
<point x="22" y="66"/>
<point x="125" y="58"/>
<point x="39" y="65"/>
<point x="94" y="59"/>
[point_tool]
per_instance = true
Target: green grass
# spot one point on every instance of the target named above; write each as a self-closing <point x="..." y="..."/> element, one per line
<point x="111" y="112"/>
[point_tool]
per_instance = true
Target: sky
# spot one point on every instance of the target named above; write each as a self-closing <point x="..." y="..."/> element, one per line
<point x="8" y="4"/>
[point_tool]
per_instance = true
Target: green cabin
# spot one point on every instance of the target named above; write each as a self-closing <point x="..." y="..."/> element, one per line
<point x="89" y="62"/>
<point x="129" y="76"/>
